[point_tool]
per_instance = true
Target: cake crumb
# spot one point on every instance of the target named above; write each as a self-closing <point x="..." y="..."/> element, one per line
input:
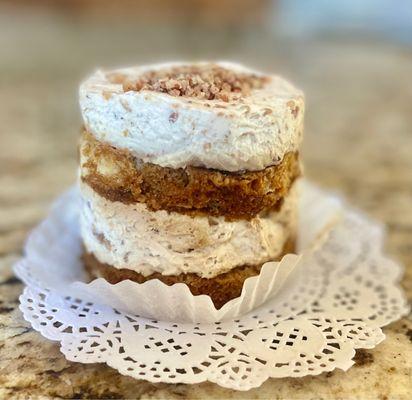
<point x="294" y="108"/>
<point x="173" y="117"/>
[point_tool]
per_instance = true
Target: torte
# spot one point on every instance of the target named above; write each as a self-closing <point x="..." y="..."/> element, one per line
<point x="187" y="174"/>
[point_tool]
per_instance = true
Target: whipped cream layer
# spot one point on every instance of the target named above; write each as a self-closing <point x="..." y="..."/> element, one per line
<point x="248" y="133"/>
<point x="133" y="237"/>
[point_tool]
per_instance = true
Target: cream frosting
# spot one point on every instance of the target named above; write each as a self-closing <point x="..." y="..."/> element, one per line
<point x="250" y="133"/>
<point x="133" y="237"/>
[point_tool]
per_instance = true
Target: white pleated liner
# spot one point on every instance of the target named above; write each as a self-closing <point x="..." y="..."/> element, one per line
<point x="153" y="298"/>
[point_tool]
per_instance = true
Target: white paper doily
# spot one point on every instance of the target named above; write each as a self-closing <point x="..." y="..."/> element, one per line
<point x="335" y="302"/>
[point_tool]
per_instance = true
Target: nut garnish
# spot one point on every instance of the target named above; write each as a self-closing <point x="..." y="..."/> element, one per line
<point x="209" y="82"/>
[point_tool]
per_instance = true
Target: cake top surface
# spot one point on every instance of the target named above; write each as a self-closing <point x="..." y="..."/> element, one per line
<point x="217" y="115"/>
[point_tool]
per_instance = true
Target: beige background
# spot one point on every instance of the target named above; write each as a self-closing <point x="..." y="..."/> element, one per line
<point x="358" y="142"/>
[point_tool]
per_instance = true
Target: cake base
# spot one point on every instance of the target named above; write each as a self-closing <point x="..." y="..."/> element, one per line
<point x="221" y="288"/>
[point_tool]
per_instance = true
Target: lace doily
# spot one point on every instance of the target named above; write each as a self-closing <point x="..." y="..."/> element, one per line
<point x="335" y="302"/>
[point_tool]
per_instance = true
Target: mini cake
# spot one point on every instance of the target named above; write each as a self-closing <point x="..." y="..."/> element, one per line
<point x="187" y="174"/>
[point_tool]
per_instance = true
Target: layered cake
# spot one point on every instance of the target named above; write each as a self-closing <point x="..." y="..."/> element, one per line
<point x="187" y="174"/>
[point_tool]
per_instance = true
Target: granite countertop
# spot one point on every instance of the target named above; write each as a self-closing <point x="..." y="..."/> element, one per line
<point x="358" y="143"/>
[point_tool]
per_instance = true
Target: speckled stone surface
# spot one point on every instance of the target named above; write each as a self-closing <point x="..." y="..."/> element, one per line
<point x="358" y="143"/>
